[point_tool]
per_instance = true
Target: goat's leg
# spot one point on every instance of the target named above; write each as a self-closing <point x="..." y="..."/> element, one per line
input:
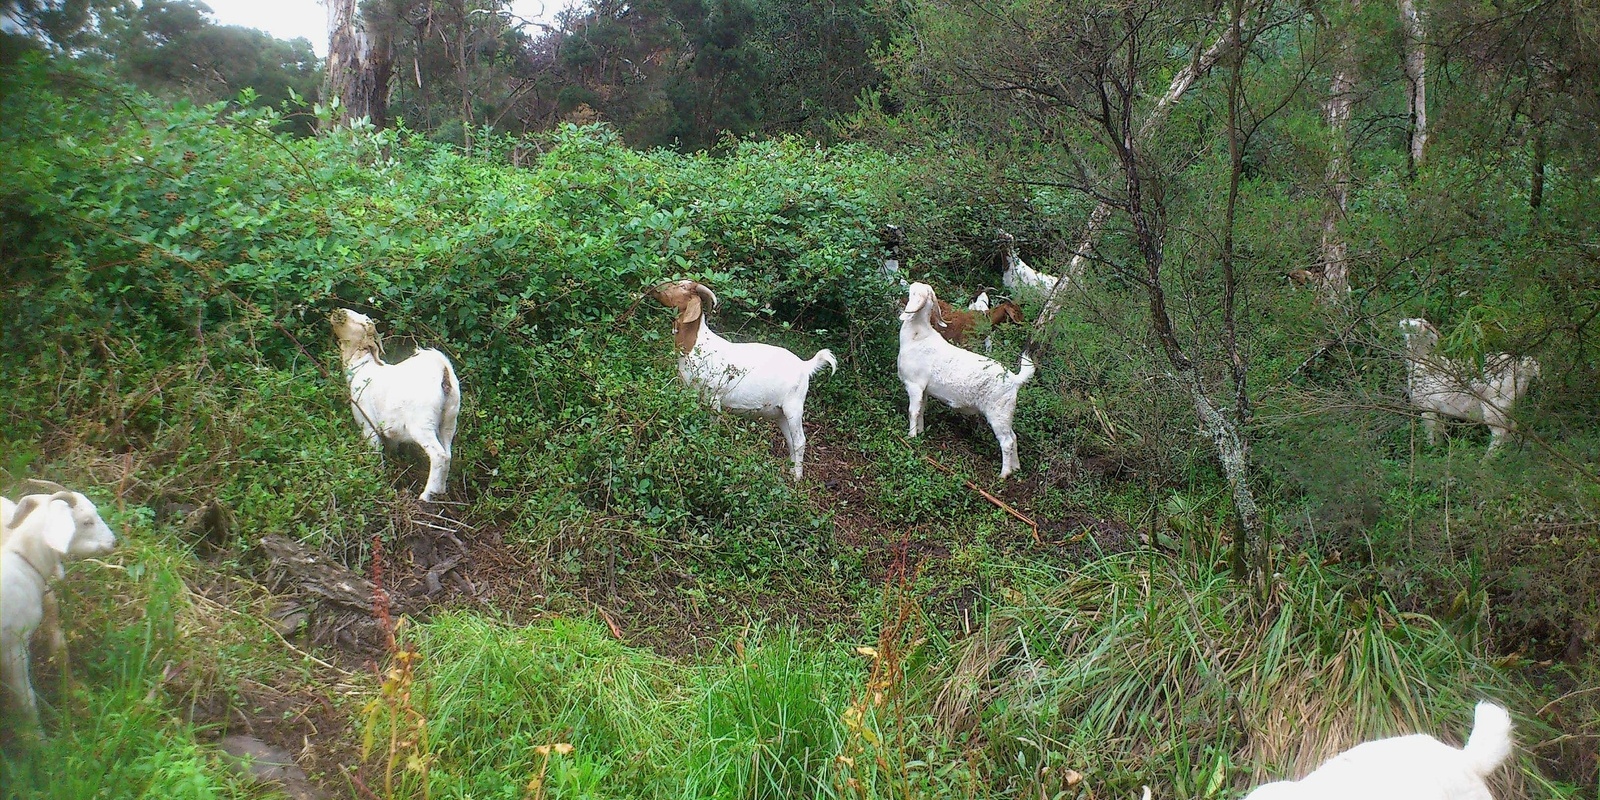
<point x="438" y="467"/>
<point x="1008" y="446"/>
<point x="447" y="433"/>
<point x="795" y="433"/>
<point x="50" y="626"/>
<point x="14" y="674"/>
<point x="1430" y="425"/>
<point x="915" y="392"/>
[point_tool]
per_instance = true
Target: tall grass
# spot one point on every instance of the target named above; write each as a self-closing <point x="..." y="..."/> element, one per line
<point x="1147" y="669"/>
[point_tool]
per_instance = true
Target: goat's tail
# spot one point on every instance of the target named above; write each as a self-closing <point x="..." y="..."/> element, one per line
<point x="448" y="385"/>
<point x="824" y="356"/>
<point x="1025" y="369"/>
<point x="1490" y="742"/>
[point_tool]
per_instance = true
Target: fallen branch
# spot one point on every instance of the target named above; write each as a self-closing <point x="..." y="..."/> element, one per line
<point x="610" y="623"/>
<point x="1033" y="527"/>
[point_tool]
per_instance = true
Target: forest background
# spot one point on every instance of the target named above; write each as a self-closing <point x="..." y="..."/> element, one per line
<point x="1233" y="550"/>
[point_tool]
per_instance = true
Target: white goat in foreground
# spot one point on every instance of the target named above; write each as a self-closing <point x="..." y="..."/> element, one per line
<point x="36" y="534"/>
<point x="964" y="380"/>
<point x="1017" y="275"/>
<point x="416" y="400"/>
<point x="1442" y="387"/>
<point x="748" y="377"/>
<point x="1415" y="767"/>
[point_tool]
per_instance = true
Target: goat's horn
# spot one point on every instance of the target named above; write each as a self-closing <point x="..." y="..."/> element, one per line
<point x="51" y="485"/>
<point x="705" y="292"/>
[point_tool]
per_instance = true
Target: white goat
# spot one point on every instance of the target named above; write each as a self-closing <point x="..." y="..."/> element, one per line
<point x="40" y="531"/>
<point x="1415" y="767"/>
<point x="1442" y="387"/>
<point x="416" y="400"/>
<point x="964" y="380"/>
<point x="748" y="377"/>
<point x="1017" y="275"/>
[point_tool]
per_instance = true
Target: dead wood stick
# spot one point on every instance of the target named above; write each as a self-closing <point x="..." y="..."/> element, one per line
<point x="1033" y="527"/>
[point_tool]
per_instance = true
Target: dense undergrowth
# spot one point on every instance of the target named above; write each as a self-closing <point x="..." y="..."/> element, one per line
<point x="878" y="630"/>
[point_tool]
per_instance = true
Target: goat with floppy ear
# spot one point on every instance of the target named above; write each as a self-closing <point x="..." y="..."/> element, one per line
<point x="40" y="532"/>
<point x="416" y="400"/>
<point x="743" y="377"/>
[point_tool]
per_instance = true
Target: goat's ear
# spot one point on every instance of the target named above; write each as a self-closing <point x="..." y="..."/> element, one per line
<point x="25" y="506"/>
<point x="938" y="316"/>
<point x="690" y="312"/>
<point x="60" y="525"/>
<point x="914" y="303"/>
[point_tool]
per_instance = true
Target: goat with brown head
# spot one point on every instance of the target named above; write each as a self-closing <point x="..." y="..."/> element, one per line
<point x="744" y="377"/>
<point x="690" y="298"/>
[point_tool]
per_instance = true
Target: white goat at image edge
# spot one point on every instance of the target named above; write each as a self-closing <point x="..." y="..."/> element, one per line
<point x="37" y="533"/>
<point x="1415" y="767"/>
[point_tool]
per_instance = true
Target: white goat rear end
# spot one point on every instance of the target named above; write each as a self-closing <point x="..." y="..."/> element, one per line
<point x="417" y="400"/>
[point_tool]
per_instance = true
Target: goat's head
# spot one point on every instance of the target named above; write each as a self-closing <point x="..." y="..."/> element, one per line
<point x="1008" y="311"/>
<point x="1528" y="371"/>
<point x="72" y="525"/>
<point x="920" y="296"/>
<point x="356" y="332"/>
<point x="1419" y="332"/>
<point x="689" y="297"/>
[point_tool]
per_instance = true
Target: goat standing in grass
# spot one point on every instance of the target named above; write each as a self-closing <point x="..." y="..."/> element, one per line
<point x="1441" y="387"/>
<point x="745" y="377"/>
<point x="1415" y="767"/>
<point x="416" y="400"/>
<point x="964" y="380"/>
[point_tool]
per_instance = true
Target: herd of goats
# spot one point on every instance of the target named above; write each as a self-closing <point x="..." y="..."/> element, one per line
<point x="418" y="400"/>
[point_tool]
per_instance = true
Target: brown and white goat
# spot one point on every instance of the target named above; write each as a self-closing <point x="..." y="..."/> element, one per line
<point x="744" y="377"/>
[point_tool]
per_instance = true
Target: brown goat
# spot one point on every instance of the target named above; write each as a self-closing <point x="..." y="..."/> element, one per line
<point x="958" y="323"/>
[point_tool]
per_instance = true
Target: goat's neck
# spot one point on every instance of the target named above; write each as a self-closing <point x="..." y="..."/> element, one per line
<point x="920" y="325"/>
<point x="704" y="339"/>
<point x="36" y="556"/>
<point x="358" y="359"/>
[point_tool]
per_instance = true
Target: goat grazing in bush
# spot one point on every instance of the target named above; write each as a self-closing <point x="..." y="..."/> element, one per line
<point x="745" y="377"/>
<point x="1441" y="387"/>
<point x="416" y="400"/>
<point x="964" y="380"/>
<point x="1415" y="767"/>
<point x="37" y="533"/>
<point x="1015" y="273"/>
<point x="958" y="323"/>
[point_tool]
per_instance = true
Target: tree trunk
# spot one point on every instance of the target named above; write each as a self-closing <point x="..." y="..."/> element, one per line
<point x="1540" y="156"/>
<point x="1337" y="110"/>
<point x="1231" y="444"/>
<point x="1415" y="36"/>
<point x="1101" y="214"/>
<point x="1181" y="82"/>
<point x="360" y="61"/>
